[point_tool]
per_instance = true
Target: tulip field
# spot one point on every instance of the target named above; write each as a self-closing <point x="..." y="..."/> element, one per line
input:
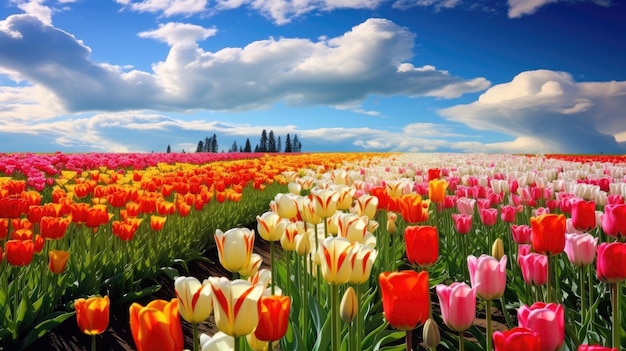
<point x="368" y="251"/>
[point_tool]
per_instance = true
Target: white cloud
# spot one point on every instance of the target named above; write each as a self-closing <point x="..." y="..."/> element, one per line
<point x="549" y="109"/>
<point x="346" y="69"/>
<point x="167" y="7"/>
<point x="36" y="8"/>
<point x="437" y="4"/>
<point x="174" y="33"/>
<point x="519" y="8"/>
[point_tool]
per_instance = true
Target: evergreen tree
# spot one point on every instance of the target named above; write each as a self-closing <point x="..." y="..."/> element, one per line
<point x="256" y="148"/>
<point x="169" y="149"/>
<point x="240" y="148"/>
<point x="200" y="147"/>
<point x="288" y="144"/>
<point x="295" y="147"/>
<point x="214" y="147"/>
<point x="271" y="142"/>
<point x="207" y="144"/>
<point x="247" y="148"/>
<point x="279" y="145"/>
<point x="234" y="147"/>
<point x="263" y="142"/>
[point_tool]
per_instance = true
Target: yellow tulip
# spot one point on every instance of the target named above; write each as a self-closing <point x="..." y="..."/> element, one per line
<point x="234" y="248"/>
<point x="336" y="259"/>
<point x="236" y="305"/>
<point x="195" y="300"/>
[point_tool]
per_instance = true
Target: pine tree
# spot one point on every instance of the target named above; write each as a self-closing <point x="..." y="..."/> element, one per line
<point x="200" y="147"/>
<point x="263" y="141"/>
<point x="271" y="142"/>
<point x="279" y="145"/>
<point x="207" y="144"/>
<point x="256" y="148"/>
<point x="214" y="147"/>
<point x="288" y="144"/>
<point x="234" y="147"/>
<point x="169" y="149"/>
<point x="247" y="148"/>
<point x="296" y="144"/>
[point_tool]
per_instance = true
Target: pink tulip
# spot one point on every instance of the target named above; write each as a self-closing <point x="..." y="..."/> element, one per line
<point x="465" y="205"/>
<point x="614" y="220"/>
<point x="489" y="216"/>
<point x="508" y="213"/>
<point x="521" y="233"/>
<point x="462" y="223"/>
<point x="487" y="275"/>
<point x="458" y="305"/>
<point x="580" y="248"/>
<point x="547" y="320"/>
<point x="534" y="268"/>
<point x="611" y="264"/>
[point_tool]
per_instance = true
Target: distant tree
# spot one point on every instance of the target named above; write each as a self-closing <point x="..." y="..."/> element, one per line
<point x="256" y="148"/>
<point x="263" y="141"/>
<point x="247" y="148"/>
<point x="279" y="145"/>
<point x="234" y="147"/>
<point x="296" y="146"/>
<point x="200" y="147"/>
<point x="214" y="147"/>
<point x="271" y="142"/>
<point x="169" y="149"/>
<point x="240" y="148"/>
<point x="288" y="144"/>
<point x="207" y="144"/>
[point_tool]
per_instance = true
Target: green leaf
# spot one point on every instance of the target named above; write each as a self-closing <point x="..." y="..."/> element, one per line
<point x="50" y="322"/>
<point x="136" y="295"/>
<point x="171" y="272"/>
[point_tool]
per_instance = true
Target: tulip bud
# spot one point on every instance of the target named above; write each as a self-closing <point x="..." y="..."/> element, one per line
<point x="392" y="228"/>
<point x="349" y="305"/>
<point x="303" y="244"/>
<point x="431" y="334"/>
<point x="497" y="249"/>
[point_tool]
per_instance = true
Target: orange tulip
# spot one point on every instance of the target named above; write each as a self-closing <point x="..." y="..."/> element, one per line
<point x="157" y="222"/>
<point x="19" y="252"/>
<point x="57" y="260"/>
<point x="273" y="318"/>
<point x="548" y="233"/>
<point x="92" y="314"/>
<point x="156" y="326"/>
<point x="437" y="190"/>
<point x="422" y="245"/>
<point x="406" y="298"/>
<point x="413" y="208"/>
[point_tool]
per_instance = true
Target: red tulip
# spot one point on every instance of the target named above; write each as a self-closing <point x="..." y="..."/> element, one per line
<point x="508" y="213"/>
<point x="19" y="252"/>
<point x="548" y="233"/>
<point x="406" y="298"/>
<point x="273" y="318"/>
<point x="596" y="348"/>
<point x="611" y="262"/>
<point x="614" y="220"/>
<point x="516" y="339"/>
<point x="422" y="245"/>
<point x="489" y="216"/>
<point x="156" y="326"/>
<point x="54" y="228"/>
<point x="462" y="223"/>
<point x="583" y="215"/>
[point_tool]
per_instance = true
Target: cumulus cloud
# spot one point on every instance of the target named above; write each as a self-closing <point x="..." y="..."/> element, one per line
<point x="370" y="59"/>
<point x="166" y="7"/>
<point x="550" y="111"/>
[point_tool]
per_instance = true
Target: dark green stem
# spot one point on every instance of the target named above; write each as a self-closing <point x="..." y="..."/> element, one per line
<point x="93" y="342"/>
<point x="273" y="268"/>
<point x="583" y="310"/>
<point x="196" y="339"/>
<point x="615" y="302"/>
<point x="509" y="321"/>
<point x="461" y="341"/>
<point x="334" y="317"/>
<point x="489" y="329"/>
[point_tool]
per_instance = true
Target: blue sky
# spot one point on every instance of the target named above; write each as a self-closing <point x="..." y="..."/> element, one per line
<point x="516" y="76"/>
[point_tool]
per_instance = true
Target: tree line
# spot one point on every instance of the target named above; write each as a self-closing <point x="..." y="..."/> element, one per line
<point x="267" y="143"/>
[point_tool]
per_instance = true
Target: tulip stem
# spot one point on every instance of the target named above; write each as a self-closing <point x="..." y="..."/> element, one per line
<point x="196" y="340"/>
<point x="273" y="268"/>
<point x="489" y="330"/>
<point x="334" y="318"/>
<point x="409" y="340"/>
<point x="461" y="341"/>
<point x="509" y="322"/>
<point x="583" y="311"/>
<point x="550" y="278"/>
<point x="237" y="343"/>
<point x="615" y="301"/>
<point x="93" y="342"/>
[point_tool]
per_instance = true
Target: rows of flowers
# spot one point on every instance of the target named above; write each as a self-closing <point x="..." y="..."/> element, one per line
<point x="360" y="250"/>
<point x="74" y="226"/>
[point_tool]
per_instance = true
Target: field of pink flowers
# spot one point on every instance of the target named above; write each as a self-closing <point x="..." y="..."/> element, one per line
<point x="367" y="251"/>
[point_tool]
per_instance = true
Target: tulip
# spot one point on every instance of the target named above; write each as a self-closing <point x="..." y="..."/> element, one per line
<point x="614" y="220"/>
<point x="392" y="227"/>
<point x="406" y="298"/>
<point x="580" y="248"/>
<point x="325" y="202"/>
<point x="53" y="227"/>
<point x="346" y="196"/>
<point x="271" y="226"/>
<point x="352" y="227"/>
<point x="256" y="344"/>
<point x="362" y="263"/>
<point x="57" y="260"/>
<point x="508" y="213"/>
<point x="458" y="305"/>
<point x="252" y="267"/>
<point x="548" y="233"/>
<point x="497" y="249"/>
<point x="337" y="254"/>
<point x="413" y="208"/>
<point x="92" y="314"/>
<point x="273" y="317"/>
<point x="488" y="275"/>
<point x="349" y="307"/>
<point x="288" y="239"/>
<point x="489" y="216"/>
<point x="611" y="262"/>
<point x="156" y="326"/>
<point x="234" y="248"/>
<point x="367" y="206"/>
<point x="517" y="339"/>
<point x="431" y="334"/>
<point x="596" y="348"/>
<point x="286" y="206"/>
<point x="195" y="302"/>
<point x="437" y="190"/>
<point x="19" y="252"/>
<point x="462" y="223"/>
<point x="236" y="305"/>
<point x="547" y="320"/>
<point x="583" y="214"/>
<point x="422" y="245"/>
<point x="534" y="268"/>
<point x="521" y="234"/>
<point x="218" y="342"/>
